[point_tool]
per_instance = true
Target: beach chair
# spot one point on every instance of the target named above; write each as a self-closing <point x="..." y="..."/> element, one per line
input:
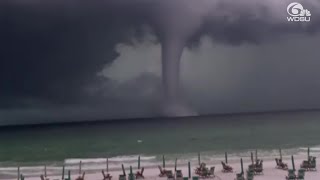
<point x="195" y="178"/>
<point x="281" y="165"/>
<point x="250" y="175"/>
<point x="139" y="174"/>
<point x="313" y="164"/>
<point x="240" y="177"/>
<point x="122" y="177"/>
<point x="199" y="170"/>
<point x="301" y="173"/>
<point x="131" y="177"/>
<point x="162" y="172"/>
<point x="81" y="177"/>
<point x="170" y="175"/>
<point x="305" y="164"/>
<point x="185" y="178"/>
<point x="106" y="177"/>
<point x="43" y="178"/>
<point x="291" y="175"/>
<point x="179" y="175"/>
<point x="226" y="168"/>
<point x="251" y="168"/>
<point x="211" y="172"/>
<point x="258" y="169"/>
<point x="204" y="173"/>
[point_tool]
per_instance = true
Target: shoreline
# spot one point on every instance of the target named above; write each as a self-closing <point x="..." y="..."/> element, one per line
<point x="152" y="172"/>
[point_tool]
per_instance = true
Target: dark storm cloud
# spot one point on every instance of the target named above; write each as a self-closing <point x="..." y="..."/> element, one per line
<point x="54" y="49"/>
<point x="52" y="52"/>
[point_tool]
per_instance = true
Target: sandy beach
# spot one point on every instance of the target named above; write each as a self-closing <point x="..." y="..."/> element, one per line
<point x="269" y="173"/>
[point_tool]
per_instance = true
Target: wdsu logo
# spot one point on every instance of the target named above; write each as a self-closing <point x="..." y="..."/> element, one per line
<point x="298" y="13"/>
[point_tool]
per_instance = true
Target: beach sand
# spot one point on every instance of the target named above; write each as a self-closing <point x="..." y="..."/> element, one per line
<point x="269" y="173"/>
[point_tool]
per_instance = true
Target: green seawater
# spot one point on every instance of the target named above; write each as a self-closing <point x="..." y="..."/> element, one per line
<point x="154" y="137"/>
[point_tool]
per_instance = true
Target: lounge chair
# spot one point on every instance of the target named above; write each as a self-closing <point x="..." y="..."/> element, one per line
<point x="251" y="168"/>
<point x="162" y="172"/>
<point x="301" y="173"/>
<point x="139" y="174"/>
<point x="258" y="169"/>
<point x="291" y="175"/>
<point x="131" y="177"/>
<point x="310" y="164"/>
<point x="250" y="175"/>
<point x="313" y="164"/>
<point x="106" y="177"/>
<point x="226" y="168"/>
<point x="199" y="170"/>
<point x="122" y="177"/>
<point x="179" y="175"/>
<point x="281" y="165"/>
<point x="43" y="178"/>
<point x="195" y="178"/>
<point x="211" y="172"/>
<point x="170" y="175"/>
<point x="240" y="177"/>
<point x="81" y="177"/>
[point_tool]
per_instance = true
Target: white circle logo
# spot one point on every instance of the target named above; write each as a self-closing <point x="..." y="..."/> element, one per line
<point x="294" y="9"/>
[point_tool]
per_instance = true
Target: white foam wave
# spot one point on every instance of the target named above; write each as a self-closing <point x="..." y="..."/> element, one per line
<point x="112" y="159"/>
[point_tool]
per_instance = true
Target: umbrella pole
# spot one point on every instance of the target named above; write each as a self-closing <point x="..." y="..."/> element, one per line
<point x="124" y="172"/>
<point x="163" y="162"/>
<point x="256" y="155"/>
<point x="175" y="165"/>
<point x="69" y="175"/>
<point x="189" y="169"/>
<point x="18" y="172"/>
<point x="139" y="162"/>
<point x="199" y="161"/>
<point x="252" y="158"/>
<point x="308" y="153"/>
<point x="241" y="166"/>
<point x="293" y="166"/>
<point x="45" y="171"/>
<point x="280" y="153"/>
<point x="62" y="178"/>
<point x="107" y="165"/>
<point x="130" y="169"/>
<point x="226" y="157"/>
<point x="80" y="165"/>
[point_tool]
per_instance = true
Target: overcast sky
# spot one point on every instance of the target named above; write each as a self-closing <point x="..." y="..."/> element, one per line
<point x="87" y="61"/>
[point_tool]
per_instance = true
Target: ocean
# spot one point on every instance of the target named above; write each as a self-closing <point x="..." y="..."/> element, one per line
<point x="32" y="147"/>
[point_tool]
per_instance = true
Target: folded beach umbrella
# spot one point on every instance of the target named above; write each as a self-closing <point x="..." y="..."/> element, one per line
<point x="107" y="165"/>
<point x="293" y="167"/>
<point x="280" y="153"/>
<point x="80" y="164"/>
<point x="62" y="172"/>
<point x="252" y="158"/>
<point x="189" y="169"/>
<point x="124" y="172"/>
<point x="241" y="166"/>
<point x="18" y="172"/>
<point x="199" y="161"/>
<point x="163" y="162"/>
<point x="175" y="165"/>
<point x="226" y="157"/>
<point x="256" y="154"/>
<point x="139" y="162"/>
